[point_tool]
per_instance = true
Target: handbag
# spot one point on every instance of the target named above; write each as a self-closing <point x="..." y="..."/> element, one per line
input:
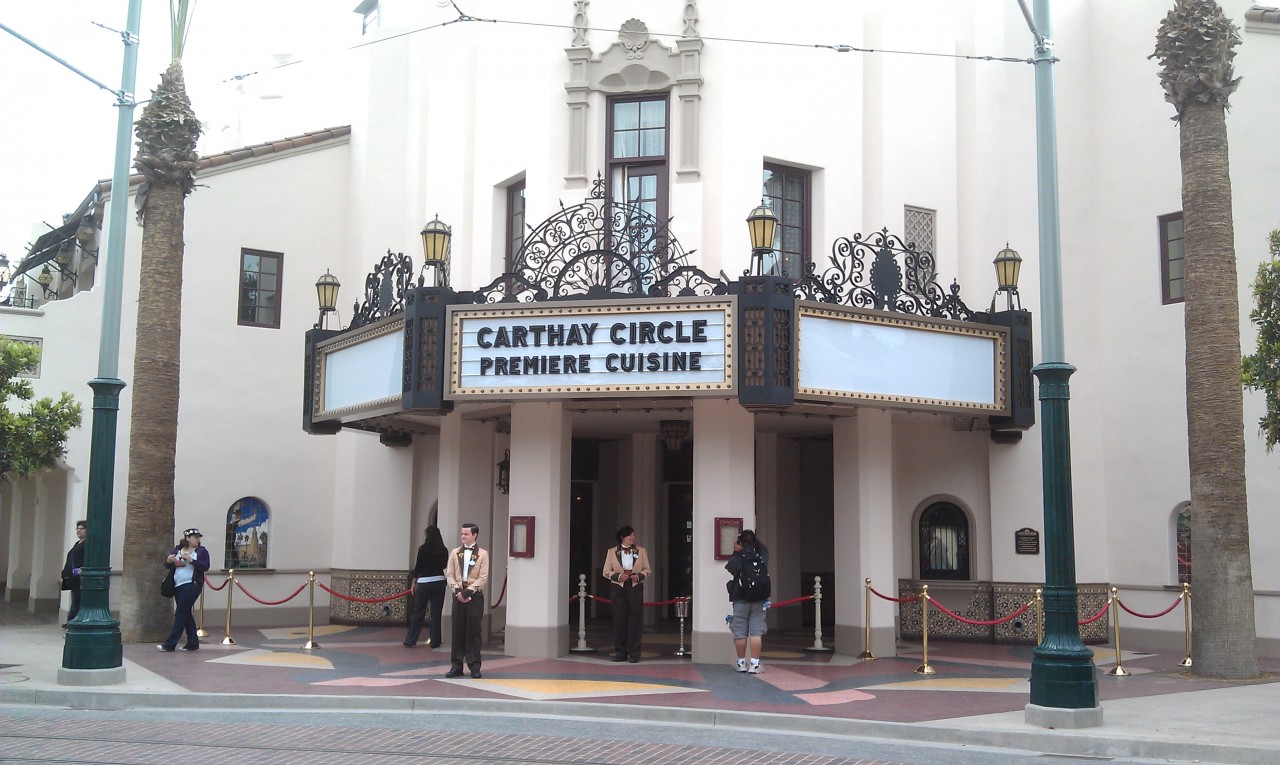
<point x="68" y="583"/>
<point x="166" y="585"/>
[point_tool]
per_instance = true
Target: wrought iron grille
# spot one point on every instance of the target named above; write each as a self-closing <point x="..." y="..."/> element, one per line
<point x="385" y="288"/>
<point x="884" y="273"/>
<point x="600" y="248"/>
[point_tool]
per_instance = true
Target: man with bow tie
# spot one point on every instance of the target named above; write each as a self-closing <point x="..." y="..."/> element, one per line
<point x="467" y="572"/>
<point x="626" y="567"/>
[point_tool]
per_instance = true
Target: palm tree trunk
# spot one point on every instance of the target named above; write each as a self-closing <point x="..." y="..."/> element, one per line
<point x="149" y="521"/>
<point x="1222" y="606"/>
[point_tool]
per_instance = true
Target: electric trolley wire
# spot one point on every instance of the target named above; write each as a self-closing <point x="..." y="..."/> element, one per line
<point x="838" y="48"/>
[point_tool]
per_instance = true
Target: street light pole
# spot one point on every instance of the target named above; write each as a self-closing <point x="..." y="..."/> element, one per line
<point x="92" y="653"/>
<point x="1064" y="690"/>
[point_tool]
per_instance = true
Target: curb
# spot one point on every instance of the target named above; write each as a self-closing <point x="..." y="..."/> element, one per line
<point x="1096" y="743"/>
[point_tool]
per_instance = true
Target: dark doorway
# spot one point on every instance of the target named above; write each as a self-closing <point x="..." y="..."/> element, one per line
<point x="581" y="503"/>
<point x="679" y="543"/>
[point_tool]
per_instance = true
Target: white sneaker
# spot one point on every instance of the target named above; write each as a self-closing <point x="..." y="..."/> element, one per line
<point x="741" y="666"/>
<point x="756" y="669"/>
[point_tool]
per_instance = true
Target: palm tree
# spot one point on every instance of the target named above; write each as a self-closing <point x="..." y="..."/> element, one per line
<point x="1195" y="47"/>
<point x="167" y="133"/>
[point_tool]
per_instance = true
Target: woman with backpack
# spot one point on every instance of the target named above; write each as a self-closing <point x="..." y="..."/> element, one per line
<point x="749" y="591"/>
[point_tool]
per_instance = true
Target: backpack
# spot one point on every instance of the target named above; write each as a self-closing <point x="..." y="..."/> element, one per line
<point x="753" y="580"/>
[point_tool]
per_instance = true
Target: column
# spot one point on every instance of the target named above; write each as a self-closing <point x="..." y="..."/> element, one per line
<point x="642" y="500"/>
<point x="723" y="487"/>
<point x="466" y="494"/>
<point x="538" y="589"/>
<point x="863" y="456"/>
<point x="21" y="534"/>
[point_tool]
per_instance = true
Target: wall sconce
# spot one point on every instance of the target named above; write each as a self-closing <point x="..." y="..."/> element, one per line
<point x="436" y="237"/>
<point x="761" y="225"/>
<point x="504" y="473"/>
<point x="327" y="295"/>
<point x="1008" y="265"/>
<point x="673" y="433"/>
<point x="45" y="279"/>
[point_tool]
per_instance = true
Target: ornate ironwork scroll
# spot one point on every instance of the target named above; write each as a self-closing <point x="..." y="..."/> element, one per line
<point x="600" y="249"/>
<point x="884" y="273"/>
<point x="385" y="288"/>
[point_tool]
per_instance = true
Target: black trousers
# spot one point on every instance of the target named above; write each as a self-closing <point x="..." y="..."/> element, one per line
<point x="426" y="594"/>
<point x="628" y="618"/>
<point x="466" y="632"/>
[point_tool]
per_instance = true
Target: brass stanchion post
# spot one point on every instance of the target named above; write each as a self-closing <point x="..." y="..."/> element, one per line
<point x="924" y="669"/>
<point x="866" y="633"/>
<point x="231" y="579"/>
<point x="200" y="626"/>
<point x="1118" y="670"/>
<point x="1039" y="616"/>
<point x="311" y="613"/>
<point x="1186" y="620"/>
<point x="582" y="646"/>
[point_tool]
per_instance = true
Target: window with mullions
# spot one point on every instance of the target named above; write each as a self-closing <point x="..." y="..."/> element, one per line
<point x="638" y="164"/>
<point x="944" y="542"/>
<point x="515" y="223"/>
<point x="786" y="192"/>
<point x="259" y="303"/>
<point x="1172" y="259"/>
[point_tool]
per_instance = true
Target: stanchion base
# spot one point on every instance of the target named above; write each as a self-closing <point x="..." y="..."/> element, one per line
<point x="925" y="669"/>
<point x="201" y="633"/>
<point x="311" y="645"/>
<point x="816" y="649"/>
<point x="586" y="649"/>
<point x="683" y="654"/>
<point x="228" y="640"/>
<point x="1119" y="672"/>
<point x="866" y="655"/>
<point x="1185" y="662"/>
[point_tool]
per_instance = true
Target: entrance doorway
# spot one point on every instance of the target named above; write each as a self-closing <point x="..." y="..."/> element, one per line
<point x="677" y="476"/>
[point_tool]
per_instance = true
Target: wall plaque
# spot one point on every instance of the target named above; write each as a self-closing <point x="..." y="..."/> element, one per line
<point x="1026" y="542"/>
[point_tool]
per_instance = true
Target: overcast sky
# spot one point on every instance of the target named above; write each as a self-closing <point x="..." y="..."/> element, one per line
<point x="58" y="133"/>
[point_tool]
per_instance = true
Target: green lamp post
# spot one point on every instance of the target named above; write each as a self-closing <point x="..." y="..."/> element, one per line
<point x="1064" y="688"/>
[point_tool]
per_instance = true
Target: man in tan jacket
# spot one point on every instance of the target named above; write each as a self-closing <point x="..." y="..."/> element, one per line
<point x="467" y="573"/>
<point x="626" y="566"/>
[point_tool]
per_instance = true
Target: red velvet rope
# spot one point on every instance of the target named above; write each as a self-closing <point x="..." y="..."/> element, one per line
<point x="1096" y="616"/>
<point x="503" y="594"/>
<point x="647" y="603"/>
<point x="911" y="599"/>
<point x="270" y="602"/>
<point x="800" y="599"/>
<point x="215" y="589"/>
<point x="976" y="623"/>
<point x="363" y="600"/>
<point x="1148" y="616"/>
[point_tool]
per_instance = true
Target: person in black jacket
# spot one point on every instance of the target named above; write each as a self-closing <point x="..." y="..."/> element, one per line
<point x="428" y="588"/>
<point x="747" y="622"/>
<point x="71" y="570"/>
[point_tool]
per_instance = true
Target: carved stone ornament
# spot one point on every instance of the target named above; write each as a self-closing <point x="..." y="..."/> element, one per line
<point x="634" y="35"/>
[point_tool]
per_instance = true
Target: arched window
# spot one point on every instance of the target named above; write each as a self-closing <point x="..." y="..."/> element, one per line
<point x="1182" y="541"/>
<point x="247" y="532"/>
<point x="944" y="542"/>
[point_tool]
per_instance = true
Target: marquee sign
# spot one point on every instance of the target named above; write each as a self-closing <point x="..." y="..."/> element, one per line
<point x="851" y="355"/>
<point x="592" y="348"/>
<point x="360" y="374"/>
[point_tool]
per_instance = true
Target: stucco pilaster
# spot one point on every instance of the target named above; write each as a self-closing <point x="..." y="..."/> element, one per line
<point x="724" y="486"/>
<point x="537" y="611"/>
<point x="863" y="457"/>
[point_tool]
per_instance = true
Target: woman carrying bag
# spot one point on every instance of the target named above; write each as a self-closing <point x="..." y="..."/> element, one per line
<point x="189" y="560"/>
<point x="71" y="570"/>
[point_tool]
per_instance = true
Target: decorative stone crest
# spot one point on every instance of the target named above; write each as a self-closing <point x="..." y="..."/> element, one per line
<point x="634" y="35"/>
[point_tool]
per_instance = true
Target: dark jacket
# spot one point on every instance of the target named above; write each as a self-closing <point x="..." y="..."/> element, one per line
<point x="200" y="564"/>
<point x="430" y="563"/>
<point x="75" y="559"/>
